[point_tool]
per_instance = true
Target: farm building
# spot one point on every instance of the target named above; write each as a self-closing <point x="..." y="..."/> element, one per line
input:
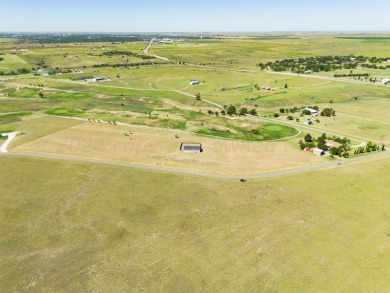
<point x="308" y="122"/>
<point x="191" y="147"/>
<point x="194" y="82"/>
<point x="308" y="72"/>
<point x="332" y="144"/>
<point x="385" y="80"/>
<point x="312" y="111"/>
<point x="316" y="151"/>
<point x="98" y="79"/>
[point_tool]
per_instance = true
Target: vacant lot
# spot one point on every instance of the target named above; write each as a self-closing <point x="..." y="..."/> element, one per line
<point x="158" y="147"/>
<point x="97" y="228"/>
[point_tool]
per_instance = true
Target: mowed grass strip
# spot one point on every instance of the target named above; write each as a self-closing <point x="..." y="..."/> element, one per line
<point x="79" y="227"/>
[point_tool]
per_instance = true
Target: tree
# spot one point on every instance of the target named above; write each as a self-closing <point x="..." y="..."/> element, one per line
<point x="253" y="112"/>
<point x="198" y="97"/>
<point x="282" y="110"/>
<point x="223" y="112"/>
<point x="301" y="145"/>
<point x="290" y="118"/>
<point x="383" y="148"/>
<point x="41" y="95"/>
<point x="243" y="111"/>
<point x="276" y="115"/>
<point x="231" y="110"/>
<point x="308" y="138"/>
<point x="286" y="86"/>
<point x="322" y="137"/>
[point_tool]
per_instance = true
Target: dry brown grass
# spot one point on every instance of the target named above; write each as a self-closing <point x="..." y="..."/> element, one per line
<point x="158" y="147"/>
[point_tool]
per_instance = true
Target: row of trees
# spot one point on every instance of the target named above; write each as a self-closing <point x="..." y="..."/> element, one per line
<point x="13" y="72"/>
<point x="370" y="147"/>
<point x="366" y="75"/>
<point x="322" y="63"/>
<point x="125" y="65"/>
<point x="233" y="111"/>
<point x="127" y="53"/>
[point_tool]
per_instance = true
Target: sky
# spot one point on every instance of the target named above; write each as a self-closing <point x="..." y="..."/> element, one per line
<point x="193" y="16"/>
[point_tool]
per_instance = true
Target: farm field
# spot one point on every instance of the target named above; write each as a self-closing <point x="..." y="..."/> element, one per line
<point x="109" y="228"/>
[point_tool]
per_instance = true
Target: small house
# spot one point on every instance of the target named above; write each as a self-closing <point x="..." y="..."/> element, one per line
<point x="308" y="71"/>
<point x="332" y="144"/>
<point x="308" y="122"/>
<point x="385" y="80"/>
<point x="318" y="152"/>
<point x="312" y="111"/>
<point x="194" y="82"/>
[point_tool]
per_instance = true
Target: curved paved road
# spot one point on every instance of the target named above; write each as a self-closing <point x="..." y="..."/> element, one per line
<point x="10" y="138"/>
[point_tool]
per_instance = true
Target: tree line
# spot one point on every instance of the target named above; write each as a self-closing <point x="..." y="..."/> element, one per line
<point x="127" y="53"/>
<point x="323" y="63"/>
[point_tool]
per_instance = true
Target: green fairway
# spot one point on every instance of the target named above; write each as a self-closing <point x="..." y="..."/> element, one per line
<point x="266" y="132"/>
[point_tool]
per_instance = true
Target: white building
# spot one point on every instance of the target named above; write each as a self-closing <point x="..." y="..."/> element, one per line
<point x="385" y="80"/>
<point x="313" y="112"/>
<point x="194" y="82"/>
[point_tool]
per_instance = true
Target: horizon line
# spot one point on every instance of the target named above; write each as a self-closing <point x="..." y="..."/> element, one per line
<point x="199" y="32"/>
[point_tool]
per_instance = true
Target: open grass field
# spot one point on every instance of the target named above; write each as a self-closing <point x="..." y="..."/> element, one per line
<point x="364" y="118"/>
<point x="65" y="55"/>
<point x="158" y="147"/>
<point x="97" y="228"/>
<point x="85" y="227"/>
<point x="243" y="54"/>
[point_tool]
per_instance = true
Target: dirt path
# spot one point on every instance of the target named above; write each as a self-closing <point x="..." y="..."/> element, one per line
<point x="146" y="51"/>
<point x="337" y="164"/>
<point x="10" y="138"/>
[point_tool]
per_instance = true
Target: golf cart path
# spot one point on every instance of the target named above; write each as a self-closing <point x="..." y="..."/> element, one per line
<point x="11" y="136"/>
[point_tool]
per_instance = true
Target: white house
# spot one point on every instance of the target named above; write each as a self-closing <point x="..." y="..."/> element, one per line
<point x="194" y="82"/>
<point x="308" y="122"/>
<point x="313" y="112"/>
<point x="385" y="80"/>
<point x="308" y="72"/>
